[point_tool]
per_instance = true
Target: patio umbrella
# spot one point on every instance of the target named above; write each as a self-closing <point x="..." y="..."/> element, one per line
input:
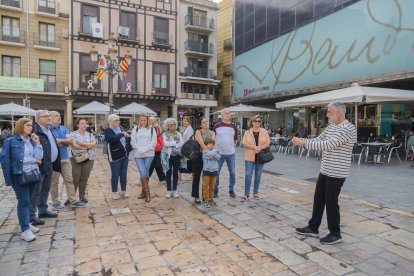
<point x="93" y="108"/>
<point x="15" y="109"/>
<point x="245" y="108"/>
<point x="136" y="108"/>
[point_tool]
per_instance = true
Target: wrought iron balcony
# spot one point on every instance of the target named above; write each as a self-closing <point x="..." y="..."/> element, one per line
<point x="47" y="6"/>
<point x="195" y="46"/>
<point x="198" y="22"/>
<point x="161" y="39"/>
<point x="199" y="73"/>
<point x="158" y="88"/>
<point x="14" y="35"/>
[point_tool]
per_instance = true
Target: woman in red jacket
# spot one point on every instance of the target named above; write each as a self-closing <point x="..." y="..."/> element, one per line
<point x="156" y="162"/>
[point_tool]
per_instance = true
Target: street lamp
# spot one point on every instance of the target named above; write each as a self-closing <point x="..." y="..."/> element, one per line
<point x="111" y="64"/>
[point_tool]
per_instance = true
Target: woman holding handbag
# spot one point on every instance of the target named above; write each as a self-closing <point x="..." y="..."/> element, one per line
<point x="156" y="162"/>
<point x="143" y="141"/>
<point x="82" y="157"/>
<point x="255" y="139"/>
<point x="21" y="155"/>
<point x="187" y="134"/>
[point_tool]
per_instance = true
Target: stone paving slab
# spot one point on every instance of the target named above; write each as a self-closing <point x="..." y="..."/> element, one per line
<point x="175" y="237"/>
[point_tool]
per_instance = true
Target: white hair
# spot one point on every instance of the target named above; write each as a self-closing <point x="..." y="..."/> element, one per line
<point x="112" y="118"/>
<point x="339" y="106"/>
<point x="168" y="122"/>
<point x="39" y="113"/>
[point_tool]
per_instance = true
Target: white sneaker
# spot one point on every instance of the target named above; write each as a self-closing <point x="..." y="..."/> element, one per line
<point x="175" y="194"/>
<point x="115" y="196"/>
<point x="124" y="194"/>
<point x="28" y="235"/>
<point x="168" y="194"/>
<point x="34" y="229"/>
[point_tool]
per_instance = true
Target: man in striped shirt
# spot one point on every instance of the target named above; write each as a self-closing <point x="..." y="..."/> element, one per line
<point x="336" y="144"/>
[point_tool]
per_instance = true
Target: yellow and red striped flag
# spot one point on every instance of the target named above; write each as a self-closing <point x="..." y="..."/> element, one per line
<point x="124" y="66"/>
<point x="101" y="67"/>
<point x="100" y="74"/>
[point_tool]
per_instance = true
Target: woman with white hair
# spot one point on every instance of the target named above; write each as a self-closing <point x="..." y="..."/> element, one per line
<point x="143" y="141"/>
<point x="118" y="142"/>
<point x="170" y="155"/>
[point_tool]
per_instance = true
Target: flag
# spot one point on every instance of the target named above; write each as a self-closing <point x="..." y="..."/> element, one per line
<point x="100" y="74"/>
<point x="124" y="66"/>
<point x="97" y="30"/>
<point x="102" y="62"/>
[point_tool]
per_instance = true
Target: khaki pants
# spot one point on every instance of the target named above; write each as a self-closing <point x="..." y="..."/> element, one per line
<point x="208" y="187"/>
<point x="66" y="173"/>
<point x="81" y="172"/>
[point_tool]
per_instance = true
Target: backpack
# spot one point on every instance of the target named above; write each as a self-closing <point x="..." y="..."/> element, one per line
<point x="191" y="149"/>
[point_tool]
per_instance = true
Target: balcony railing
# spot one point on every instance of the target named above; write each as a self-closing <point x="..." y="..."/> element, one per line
<point x="199" y="22"/>
<point x="132" y="36"/>
<point x="160" y="38"/>
<point x="197" y="92"/>
<point x="86" y="86"/>
<point x="46" y="6"/>
<point x="12" y="35"/>
<point x="45" y="43"/>
<point x="11" y="3"/>
<point x="195" y="46"/>
<point x="49" y="86"/>
<point x="123" y="87"/>
<point x="156" y="89"/>
<point x="199" y="72"/>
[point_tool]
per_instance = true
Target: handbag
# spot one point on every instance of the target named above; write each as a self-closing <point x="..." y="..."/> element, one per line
<point x="80" y="157"/>
<point x="191" y="149"/>
<point x="30" y="177"/>
<point x="264" y="156"/>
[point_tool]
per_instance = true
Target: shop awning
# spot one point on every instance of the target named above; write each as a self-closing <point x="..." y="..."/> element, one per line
<point x="353" y="95"/>
<point x="245" y="108"/>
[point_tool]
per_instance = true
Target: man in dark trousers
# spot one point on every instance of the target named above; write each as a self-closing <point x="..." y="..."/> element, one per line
<point x="50" y="163"/>
<point x="336" y="144"/>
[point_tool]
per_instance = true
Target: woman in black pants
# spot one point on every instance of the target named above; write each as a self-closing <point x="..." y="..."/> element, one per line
<point x="156" y="162"/>
<point x="201" y="135"/>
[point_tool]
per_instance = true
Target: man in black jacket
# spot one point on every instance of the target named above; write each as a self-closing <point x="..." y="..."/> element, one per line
<point x="50" y="163"/>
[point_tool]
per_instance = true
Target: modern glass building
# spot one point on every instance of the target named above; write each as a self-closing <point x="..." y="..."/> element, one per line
<point x="291" y="48"/>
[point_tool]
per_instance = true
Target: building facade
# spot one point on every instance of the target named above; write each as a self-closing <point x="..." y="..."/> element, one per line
<point x="286" y="49"/>
<point x="225" y="52"/>
<point x="34" y="53"/>
<point x="197" y="56"/>
<point x="147" y="29"/>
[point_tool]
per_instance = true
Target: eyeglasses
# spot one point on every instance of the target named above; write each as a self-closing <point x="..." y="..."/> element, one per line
<point x="45" y="116"/>
<point x="257" y="121"/>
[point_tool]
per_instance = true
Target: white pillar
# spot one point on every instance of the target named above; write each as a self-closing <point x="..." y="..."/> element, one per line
<point x="68" y="114"/>
<point x="175" y="111"/>
<point x="207" y="112"/>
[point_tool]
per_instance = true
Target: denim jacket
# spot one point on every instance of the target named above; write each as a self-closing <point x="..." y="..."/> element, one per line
<point x="12" y="156"/>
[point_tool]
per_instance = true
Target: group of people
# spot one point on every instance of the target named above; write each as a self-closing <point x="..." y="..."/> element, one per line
<point x="35" y="157"/>
<point x="43" y="148"/>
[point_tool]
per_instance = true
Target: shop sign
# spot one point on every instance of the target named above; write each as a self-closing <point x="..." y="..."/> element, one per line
<point x="181" y="112"/>
<point x="21" y="84"/>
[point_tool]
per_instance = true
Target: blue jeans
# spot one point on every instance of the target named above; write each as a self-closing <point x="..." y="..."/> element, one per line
<point x="231" y="165"/>
<point x="144" y="165"/>
<point x="249" y="166"/>
<point x="175" y="163"/>
<point x="41" y="194"/>
<point x="119" y="169"/>
<point x="23" y="195"/>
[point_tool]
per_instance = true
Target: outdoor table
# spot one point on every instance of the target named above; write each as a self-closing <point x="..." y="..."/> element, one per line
<point x="380" y="146"/>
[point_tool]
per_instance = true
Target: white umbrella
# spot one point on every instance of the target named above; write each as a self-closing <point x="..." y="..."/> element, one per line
<point x="136" y="108"/>
<point x="355" y="94"/>
<point x="245" y="108"/>
<point x="93" y="108"/>
<point x="15" y="109"/>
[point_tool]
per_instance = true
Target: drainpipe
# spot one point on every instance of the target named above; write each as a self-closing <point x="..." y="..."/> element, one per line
<point x="27" y="39"/>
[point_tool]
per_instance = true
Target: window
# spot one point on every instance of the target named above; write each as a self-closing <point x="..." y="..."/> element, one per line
<point x="47" y="35"/>
<point x="131" y="78"/>
<point x="11" y="66"/>
<point x="47" y="6"/>
<point x="197" y="68"/>
<point x="47" y="72"/>
<point x="88" y="73"/>
<point x="160" y="78"/>
<point x="128" y="19"/>
<point x="197" y="42"/>
<point x="161" y="31"/>
<point x="10" y="29"/>
<point x="89" y="16"/>
<point x="11" y="3"/>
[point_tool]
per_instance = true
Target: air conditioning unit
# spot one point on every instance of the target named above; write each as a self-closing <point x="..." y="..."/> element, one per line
<point x="65" y="33"/>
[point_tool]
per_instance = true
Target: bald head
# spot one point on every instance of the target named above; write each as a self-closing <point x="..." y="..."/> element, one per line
<point x="55" y="118"/>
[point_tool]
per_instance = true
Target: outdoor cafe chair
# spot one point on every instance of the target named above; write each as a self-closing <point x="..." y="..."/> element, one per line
<point x="394" y="147"/>
<point x="410" y="147"/>
<point x="284" y="144"/>
<point x="357" y="150"/>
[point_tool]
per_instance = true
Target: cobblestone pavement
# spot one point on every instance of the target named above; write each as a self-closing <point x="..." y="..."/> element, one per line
<point x="174" y="237"/>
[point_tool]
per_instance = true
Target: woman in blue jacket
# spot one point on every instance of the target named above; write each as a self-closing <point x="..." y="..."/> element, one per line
<point x="22" y="153"/>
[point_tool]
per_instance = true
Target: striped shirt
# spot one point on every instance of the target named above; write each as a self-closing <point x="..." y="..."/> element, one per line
<point x="336" y="144"/>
